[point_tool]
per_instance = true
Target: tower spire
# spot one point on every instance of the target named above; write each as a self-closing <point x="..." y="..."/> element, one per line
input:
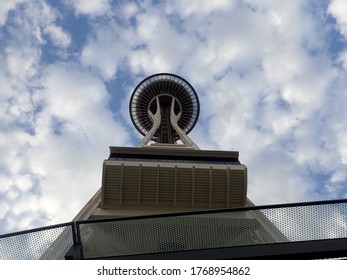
<point x="164" y="108"/>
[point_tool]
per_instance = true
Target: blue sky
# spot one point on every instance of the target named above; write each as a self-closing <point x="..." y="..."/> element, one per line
<point x="271" y="77"/>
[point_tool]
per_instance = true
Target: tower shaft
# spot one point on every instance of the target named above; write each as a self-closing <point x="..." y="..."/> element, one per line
<point x="166" y="130"/>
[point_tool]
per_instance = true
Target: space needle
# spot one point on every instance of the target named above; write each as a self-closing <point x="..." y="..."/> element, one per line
<point x="164" y="108"/>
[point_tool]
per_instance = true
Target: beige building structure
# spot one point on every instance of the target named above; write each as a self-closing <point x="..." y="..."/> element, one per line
<point x="166" y="176"/>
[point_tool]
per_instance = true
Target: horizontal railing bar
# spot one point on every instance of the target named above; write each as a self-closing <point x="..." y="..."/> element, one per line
<point x="313" y="249"/>
<point x="37" y="229"/>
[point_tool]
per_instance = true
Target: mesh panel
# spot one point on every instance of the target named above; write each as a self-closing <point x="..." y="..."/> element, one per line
<point x="165" y="235"/>
<point x="157" y="234"/>
<point x="222" y="229"/>
<point x="52" y="243"/>
<point x="313" y="222"/>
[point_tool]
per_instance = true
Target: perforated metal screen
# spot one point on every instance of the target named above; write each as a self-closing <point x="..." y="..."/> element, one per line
<point x="49" y="243"/>
<point x="214" y="230"/>
<point x="181" y="232"/>
<point x="165" y="235"/>
<point x="314" y="222"/>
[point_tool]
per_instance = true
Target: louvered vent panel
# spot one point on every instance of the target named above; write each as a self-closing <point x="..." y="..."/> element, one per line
<point x="166" y="187"/>
<point x="202" y="188"/>
<point x="112" y="185"/>
<point x="220" y="186"/>
<point x="130" y="185"/>
<point x="237" y="193"/>
<point x="152" y="186"/>
<point x="184" y="187"/>
<point x="148" y="186"/>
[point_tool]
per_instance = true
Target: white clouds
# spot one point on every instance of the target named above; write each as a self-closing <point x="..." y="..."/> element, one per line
<point x="57" y="168"/>
<point x="70" y="91"/>
<point x="5" y="183"/>
<point x="55" y="121"/>
<point x="130" y="9"/>
<point x="164" y="48"/>
<point x="268" y="182"/>
<point x="338" y="9"/>
<point x="90" y="7"/>
<point x="342" y="142"/>
<point x="343" y="59"/>
<point x="73" y="132"/>
<point x="30" y="27"/>
<point x="12" y="195"/>
<point x="5" y="7"/>
<point x="21" y="57"/>
<point x="58" y="36"/>
<point x="79" y="99"/>
<point x="196" y="7"/>
<point x="25" y="204"/>
<point x="24" y="182"/>
<point x="4" y="208"/>
<point x="22" y="61"/>
<point x="107" y="49"/>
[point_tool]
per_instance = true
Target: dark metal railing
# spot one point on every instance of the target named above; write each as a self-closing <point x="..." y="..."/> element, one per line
<point x="221" y="233"/>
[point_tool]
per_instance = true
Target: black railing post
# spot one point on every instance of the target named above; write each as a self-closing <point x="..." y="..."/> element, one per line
<point x="74" y="253"/>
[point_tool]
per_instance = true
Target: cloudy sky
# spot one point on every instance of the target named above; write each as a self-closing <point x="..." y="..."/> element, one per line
<point x="271" y="77"/>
